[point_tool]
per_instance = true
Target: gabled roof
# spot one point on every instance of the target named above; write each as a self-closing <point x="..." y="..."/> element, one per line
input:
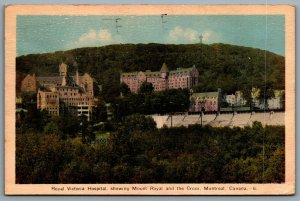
<point x="56" y="79"/>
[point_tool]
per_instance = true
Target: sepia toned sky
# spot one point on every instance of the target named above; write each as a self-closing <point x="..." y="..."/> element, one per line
<point x="41" y="34"/>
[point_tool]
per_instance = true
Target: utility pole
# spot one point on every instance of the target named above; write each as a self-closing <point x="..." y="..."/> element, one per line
<point x="163" y="21"/>
<point x="117" y="25"/>
<point x="201" y="38"/>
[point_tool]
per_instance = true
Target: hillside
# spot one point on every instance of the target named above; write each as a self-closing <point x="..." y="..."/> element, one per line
<point x="220" y="65"/>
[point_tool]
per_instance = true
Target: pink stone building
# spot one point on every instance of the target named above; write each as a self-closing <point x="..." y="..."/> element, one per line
<point x="205" y="102"/>
<point x="185" y="78"/>
<point x="57" y="93"/>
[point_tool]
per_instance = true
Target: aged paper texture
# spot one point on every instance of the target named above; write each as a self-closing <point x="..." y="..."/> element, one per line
<point x="149" y="100"/>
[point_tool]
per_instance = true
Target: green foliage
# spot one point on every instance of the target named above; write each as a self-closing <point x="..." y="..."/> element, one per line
<point x="100" y="111"/>
<point x="124" y="89"/>
<point x="146" y="88"/>
<point x="51" y="128"/>
<point x="220" y="65"/>
<point x="68" y="125"/>
<point x="157" y="102"/>
<point x="64" y="150"/>
<point x="33" y="120"/>
<point x="110" y="84"/>
<point x="139" y="122"/>
<point x="40" y="157"/>
<point x="140" y="153"/>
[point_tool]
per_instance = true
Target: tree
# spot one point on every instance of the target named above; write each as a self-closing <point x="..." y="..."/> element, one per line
<point x="51" y="128"/>
<point x="146" y="88"/>
<point x="228" y="66"/>
<point x="69" y="125"/>
<point x="40" y="158"/>
<point x="266" y="92"/>
<point x="139" y="122"/>
<point x="125" y="91"/>
<point x="34" y="120"/>
<point x="100" y="111"/>
<point x="275" y="171"/>
<point x="111" y="84"/>
<point x="247" y="95"/>
<point x="83" y="127"/>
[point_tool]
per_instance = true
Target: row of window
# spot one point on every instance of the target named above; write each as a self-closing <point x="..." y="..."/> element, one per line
<point x="156" y="77"/>
<point x="83" y="108"/>
<point x="210" y="102"/>
<point x="75" y="99"/>
<point x="70" y="94"/>
<point x="179" y="77"/>
<point x="68" y="89"/>
<point x="51" y="96"/>
<point x="75" y="104"/>
<point x="206" y="97"/>
<point x="51" y="108"/>
<point x="178" y="82"/>
<point x="53" y="112"/>
<point x="55" y="102"/>
<point x="159" y="82"/>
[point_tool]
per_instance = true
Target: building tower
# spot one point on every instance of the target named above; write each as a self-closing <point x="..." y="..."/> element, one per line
<point x="164" y="71"/>
<point x="63" y="69"/>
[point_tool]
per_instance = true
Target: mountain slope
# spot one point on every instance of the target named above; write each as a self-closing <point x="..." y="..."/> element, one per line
<point x="220" y="65"/>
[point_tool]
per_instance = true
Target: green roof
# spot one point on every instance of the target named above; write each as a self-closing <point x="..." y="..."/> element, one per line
<point x="181" y="70"/>
<point x="151" y="73"/>
<point x="129" y="73"/>
<point x="147" y="72"/>
<point x="205" y="94"/>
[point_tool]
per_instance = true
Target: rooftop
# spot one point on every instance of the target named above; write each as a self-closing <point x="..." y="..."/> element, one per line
<point x="164" y="68"/>
<point x="205" y="94"/>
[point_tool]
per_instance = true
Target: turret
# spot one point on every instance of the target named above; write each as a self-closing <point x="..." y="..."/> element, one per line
<point x="63" y="69"/>
<point x="164" y="72"/>
<point x="64" y="81"/>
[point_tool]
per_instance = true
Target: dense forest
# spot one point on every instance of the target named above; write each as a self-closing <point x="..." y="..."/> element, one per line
<point x="122" y="145"/>
<point x="137" y="152"/>
<point x="220" y="65"/>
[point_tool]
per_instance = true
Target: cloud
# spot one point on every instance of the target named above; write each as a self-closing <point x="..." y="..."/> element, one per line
<point x="94" y="38"/>
<point x="188" y="35"/>
<point x="211" y="37"/>
<point x="179" y="34"/>
<point x="105" y="35"/>
<point x="88" y="37"/>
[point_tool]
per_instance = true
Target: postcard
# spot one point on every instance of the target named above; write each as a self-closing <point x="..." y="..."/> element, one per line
<point x="149" y="100"/>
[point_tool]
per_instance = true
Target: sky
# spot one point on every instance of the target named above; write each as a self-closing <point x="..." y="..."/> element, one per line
<point x="41" y="34"/>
